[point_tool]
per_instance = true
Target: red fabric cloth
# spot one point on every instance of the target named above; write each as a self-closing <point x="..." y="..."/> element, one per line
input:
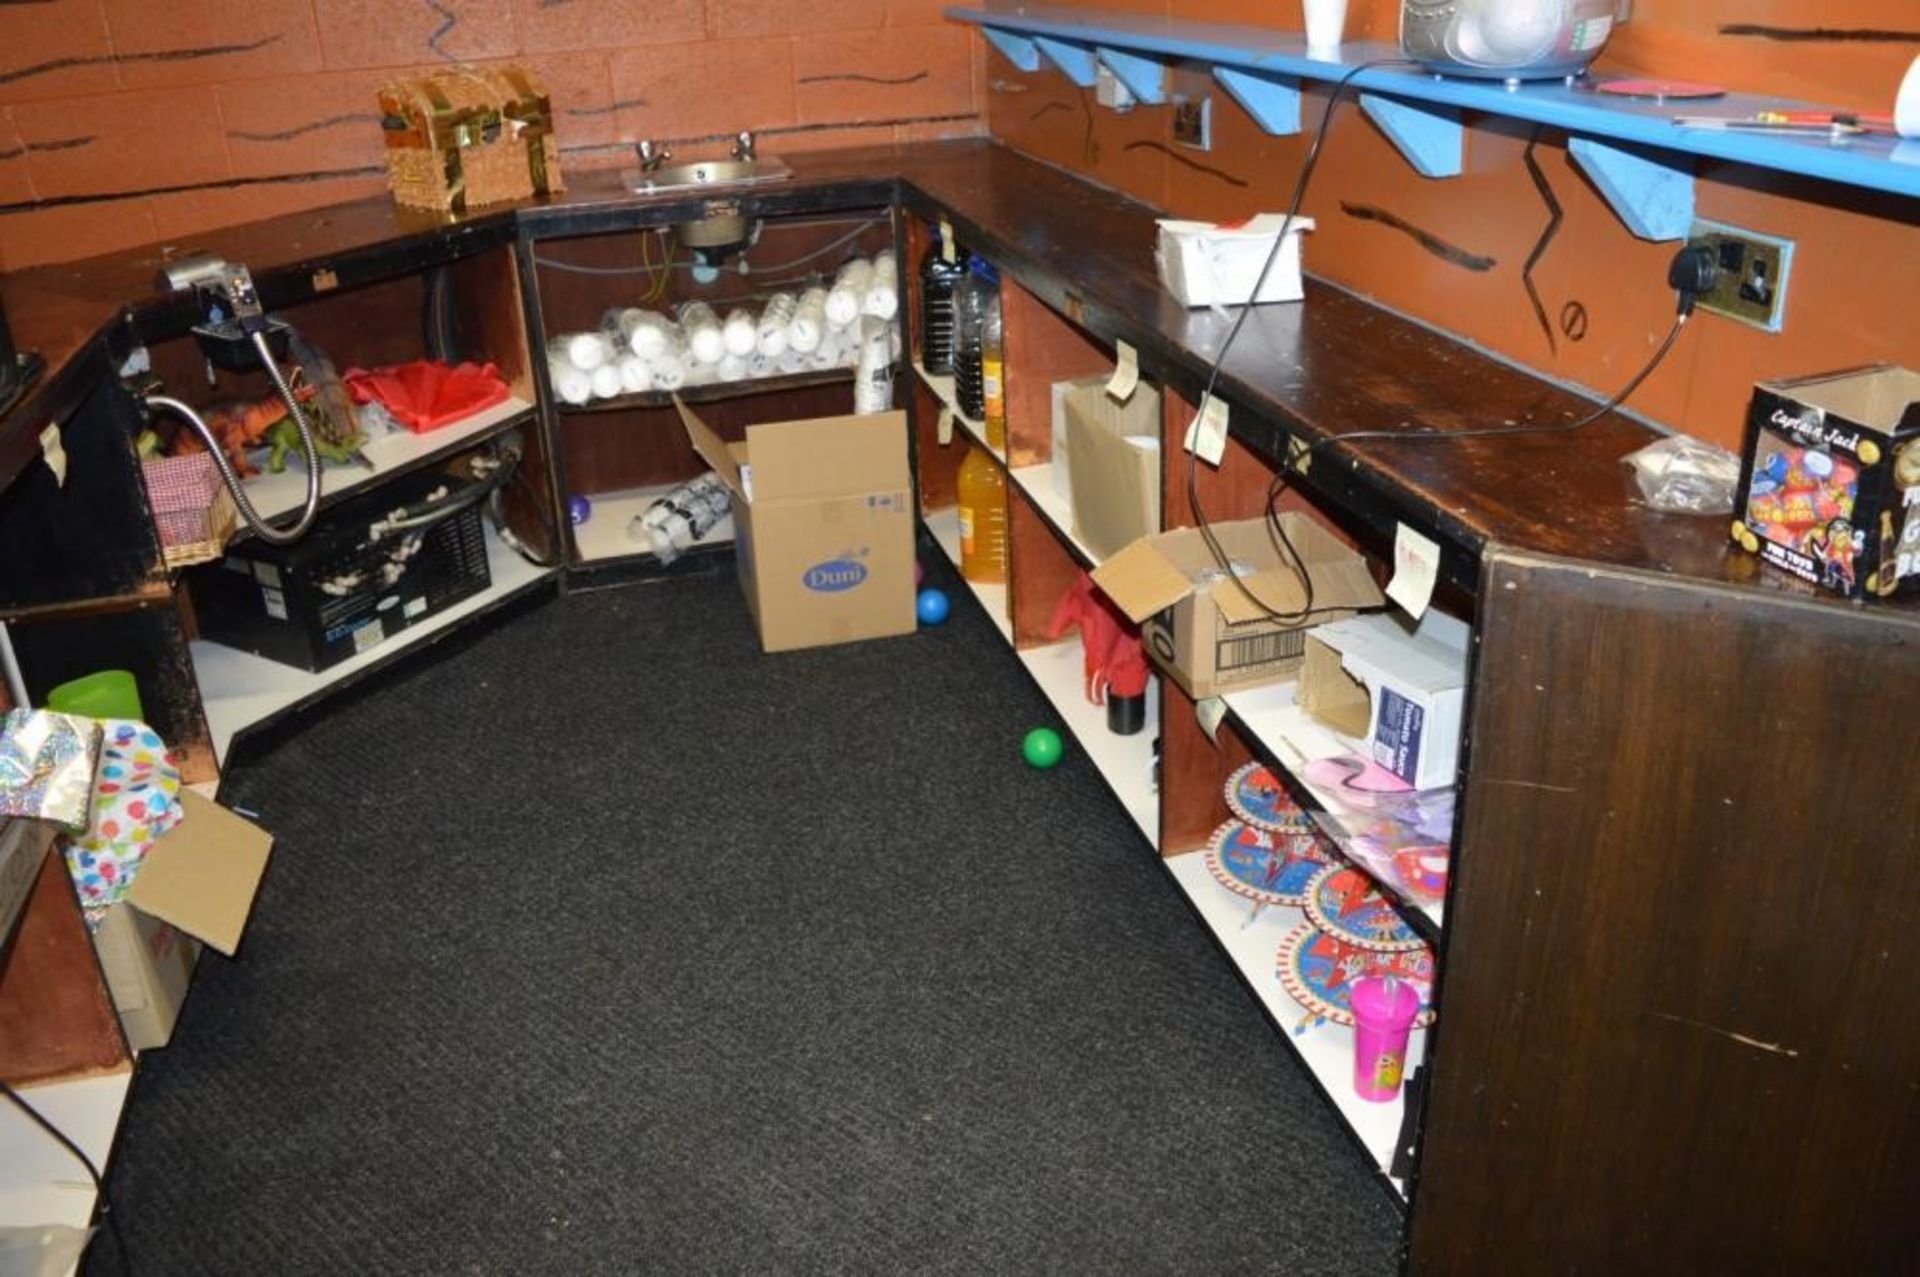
<point x="1113" y="658"/>
<point x="424" y="396"/>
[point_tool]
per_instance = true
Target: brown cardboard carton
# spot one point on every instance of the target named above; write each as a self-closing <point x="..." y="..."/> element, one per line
<point x="196" y="883"/>
<point x="1203" y="630"/>
<point x="823" y="522"/>
<point x="1116" y="466"/>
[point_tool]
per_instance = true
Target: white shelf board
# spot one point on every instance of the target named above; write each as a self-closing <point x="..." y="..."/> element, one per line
<point x="1293" y="737"/>
<point x="40" y="1183"/>
<point x="942" y="386"/>
<point x="1327" y="1049"/>
<point x="1037" y="483"/>
<point x="240" y="689"/>
<point x="945" y="526"/>
<point x="1126" y="762"/>
<point x="604" y="536"/>
<point x="277" y="494"/>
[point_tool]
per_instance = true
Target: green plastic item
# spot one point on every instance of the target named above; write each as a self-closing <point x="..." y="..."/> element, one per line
<point x="105" y="694"/>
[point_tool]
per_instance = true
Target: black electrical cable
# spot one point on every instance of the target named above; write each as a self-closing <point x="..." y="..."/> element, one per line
<point x="1200" y="519"/>
<point x="93" y="1172"/>
<point x="1276" y="531"/>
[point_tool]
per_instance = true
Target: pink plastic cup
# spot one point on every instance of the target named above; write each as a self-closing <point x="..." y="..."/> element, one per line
<point x="1383" y="1014"/>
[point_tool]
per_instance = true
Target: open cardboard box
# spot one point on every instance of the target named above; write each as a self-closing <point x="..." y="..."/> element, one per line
<point x="823" y="519"/>
<point x="1399" y="687"/>
<point x="196" y="885"/>
<point x="1202" y="628"/>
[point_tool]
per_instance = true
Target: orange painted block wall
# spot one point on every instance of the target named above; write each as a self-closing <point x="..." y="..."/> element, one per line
<point x="1603" y="300"/>
<point x="127" y="121"/>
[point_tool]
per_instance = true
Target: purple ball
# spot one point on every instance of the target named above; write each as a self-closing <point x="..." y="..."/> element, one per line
<point x="579" y="509"/>
<point x="919" y="573"/>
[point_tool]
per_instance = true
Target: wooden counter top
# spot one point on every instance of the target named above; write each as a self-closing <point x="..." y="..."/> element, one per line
<point x="1333" y="365"/>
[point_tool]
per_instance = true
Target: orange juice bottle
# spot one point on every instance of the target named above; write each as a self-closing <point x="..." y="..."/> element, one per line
<point x="983" y="518"/>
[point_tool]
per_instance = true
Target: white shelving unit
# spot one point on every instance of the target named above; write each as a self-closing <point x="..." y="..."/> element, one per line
<point x="1292" y="736"/>
<point x="1126" y="762"/>
<point x="604" y="536"/>
<point x="945" y="526"/>
<point x="240" y="689"/>
<point x="1326" y="1049"/>
<point x="942" y="386"/>
<point x="1037" y="483"/>
<point x="40" y="1183"/>
<point x="276" y="494"/>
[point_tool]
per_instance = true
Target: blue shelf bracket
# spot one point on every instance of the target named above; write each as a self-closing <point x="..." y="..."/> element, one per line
<point x="1652" y="192"/>
<point x="1018" y="49"/>
<point x="1430" y="137"/>
<point x="1145" y="78"/>
<point x="1075" y="61"/>
<point x="1273" y="101"/>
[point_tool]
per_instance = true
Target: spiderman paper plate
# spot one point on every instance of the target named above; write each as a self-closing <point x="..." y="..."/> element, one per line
<point x="1256" y="796"/>
<point x="1344" y="903"/>
<point x="1318" y="970"/>
<point x="1271" y="868"/>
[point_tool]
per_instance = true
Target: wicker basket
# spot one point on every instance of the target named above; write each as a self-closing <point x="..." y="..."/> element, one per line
<point x="469" y="137"/>
<point x="192" y="510"/>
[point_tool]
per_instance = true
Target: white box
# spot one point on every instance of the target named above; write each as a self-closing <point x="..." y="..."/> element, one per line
<point x="1210" y="264"/>
<point x="1410" y="681"/>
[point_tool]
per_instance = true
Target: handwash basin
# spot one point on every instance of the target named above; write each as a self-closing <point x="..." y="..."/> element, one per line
<point x="709" y="174"/>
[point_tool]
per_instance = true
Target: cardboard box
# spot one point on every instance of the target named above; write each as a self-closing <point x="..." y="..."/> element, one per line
<point x="1211" y="264"/>
<point x="197" y="883"/>
<point x="823" y="518"/>
<point x="1399" y="687"/>
<point x="1830" y="479"/>
<point x="1203" y="630"/>
<point x="1116" y="466"/>
<point x="1062" y="458"/>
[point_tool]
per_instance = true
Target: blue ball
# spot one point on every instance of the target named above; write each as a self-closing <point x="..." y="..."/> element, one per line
<point x="931" y="606"/>
<point x="579" y="509"/>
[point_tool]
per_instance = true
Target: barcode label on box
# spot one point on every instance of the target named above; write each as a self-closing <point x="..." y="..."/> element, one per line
<point x="1258" y="649"/>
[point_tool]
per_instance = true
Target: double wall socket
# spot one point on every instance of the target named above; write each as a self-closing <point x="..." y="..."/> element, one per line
<point x="1752" y="287"/>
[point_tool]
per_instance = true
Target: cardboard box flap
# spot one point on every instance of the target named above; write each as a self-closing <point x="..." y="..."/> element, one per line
<point x="1342" y="583"/>
<point x="202" y="875"/>
<point x="1878" y="397"/>
<point x="715" y="451"/>
<point x="1141" y="580"/>
<point x="1430" y="657"/>
<point x="828" y="457"/>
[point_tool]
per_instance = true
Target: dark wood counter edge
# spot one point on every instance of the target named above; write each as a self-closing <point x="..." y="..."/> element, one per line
<point x="1086" y="251"/>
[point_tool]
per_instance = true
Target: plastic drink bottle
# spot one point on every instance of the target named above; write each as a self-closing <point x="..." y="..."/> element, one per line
<point x="983" y="518"/>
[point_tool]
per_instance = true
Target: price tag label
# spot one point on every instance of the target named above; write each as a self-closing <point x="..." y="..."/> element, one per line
<point x="1207" y="436"/>
<point x="946" y="240"/>
<point x="1416" y="566"/>
<point x="1126" y="372"/>
<point x="943" y="429"/>
<point x="1210" y="712"/>
<point x="54" y="453"/>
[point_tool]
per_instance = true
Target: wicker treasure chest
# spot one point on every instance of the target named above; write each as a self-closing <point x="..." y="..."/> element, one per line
<point x="468" y="137"/>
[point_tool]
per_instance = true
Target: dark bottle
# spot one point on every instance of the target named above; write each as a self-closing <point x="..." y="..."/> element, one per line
<point x="937" y="278"/>
<point x="973" y="298"/>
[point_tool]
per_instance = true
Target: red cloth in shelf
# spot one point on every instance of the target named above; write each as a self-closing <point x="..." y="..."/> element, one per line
<point x="423" y="395"/>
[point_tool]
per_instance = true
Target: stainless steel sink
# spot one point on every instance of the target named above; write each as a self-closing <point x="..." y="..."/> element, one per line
<point x="712" y="174"/>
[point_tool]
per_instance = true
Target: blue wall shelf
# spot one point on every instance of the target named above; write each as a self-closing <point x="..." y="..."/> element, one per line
<point x="1639" y="157"/>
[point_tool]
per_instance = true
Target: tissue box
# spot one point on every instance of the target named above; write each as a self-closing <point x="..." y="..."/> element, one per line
<point x="1830" y="482"/>
<point x="1216" y="264"/>
<point x="1399" y="687"/>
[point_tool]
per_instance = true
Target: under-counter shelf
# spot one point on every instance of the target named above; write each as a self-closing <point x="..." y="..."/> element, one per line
<point x="1287" y="734"/>
<point x="604" y="535"/>
<point x="1253" y="944"/>
<point x="1037" y="483"/>
<point x="712" y="391"/>
<point x="40" y="1182"/>
<point x="392" y="454"/>
<point x="241" y="691"/>
<point x="945" y="526"/>
<point x="1125" y="762"/>
<point x="943" y="389"/>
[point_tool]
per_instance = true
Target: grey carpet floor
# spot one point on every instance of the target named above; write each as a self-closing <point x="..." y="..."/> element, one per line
<point x="606" y="944"/>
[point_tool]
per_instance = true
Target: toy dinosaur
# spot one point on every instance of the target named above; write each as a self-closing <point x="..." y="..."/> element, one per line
<point x="283" y="437"/>
<point x="238" y="427"/>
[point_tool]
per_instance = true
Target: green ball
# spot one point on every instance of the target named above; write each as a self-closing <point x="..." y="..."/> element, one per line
<point x="1042" y="748"/>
